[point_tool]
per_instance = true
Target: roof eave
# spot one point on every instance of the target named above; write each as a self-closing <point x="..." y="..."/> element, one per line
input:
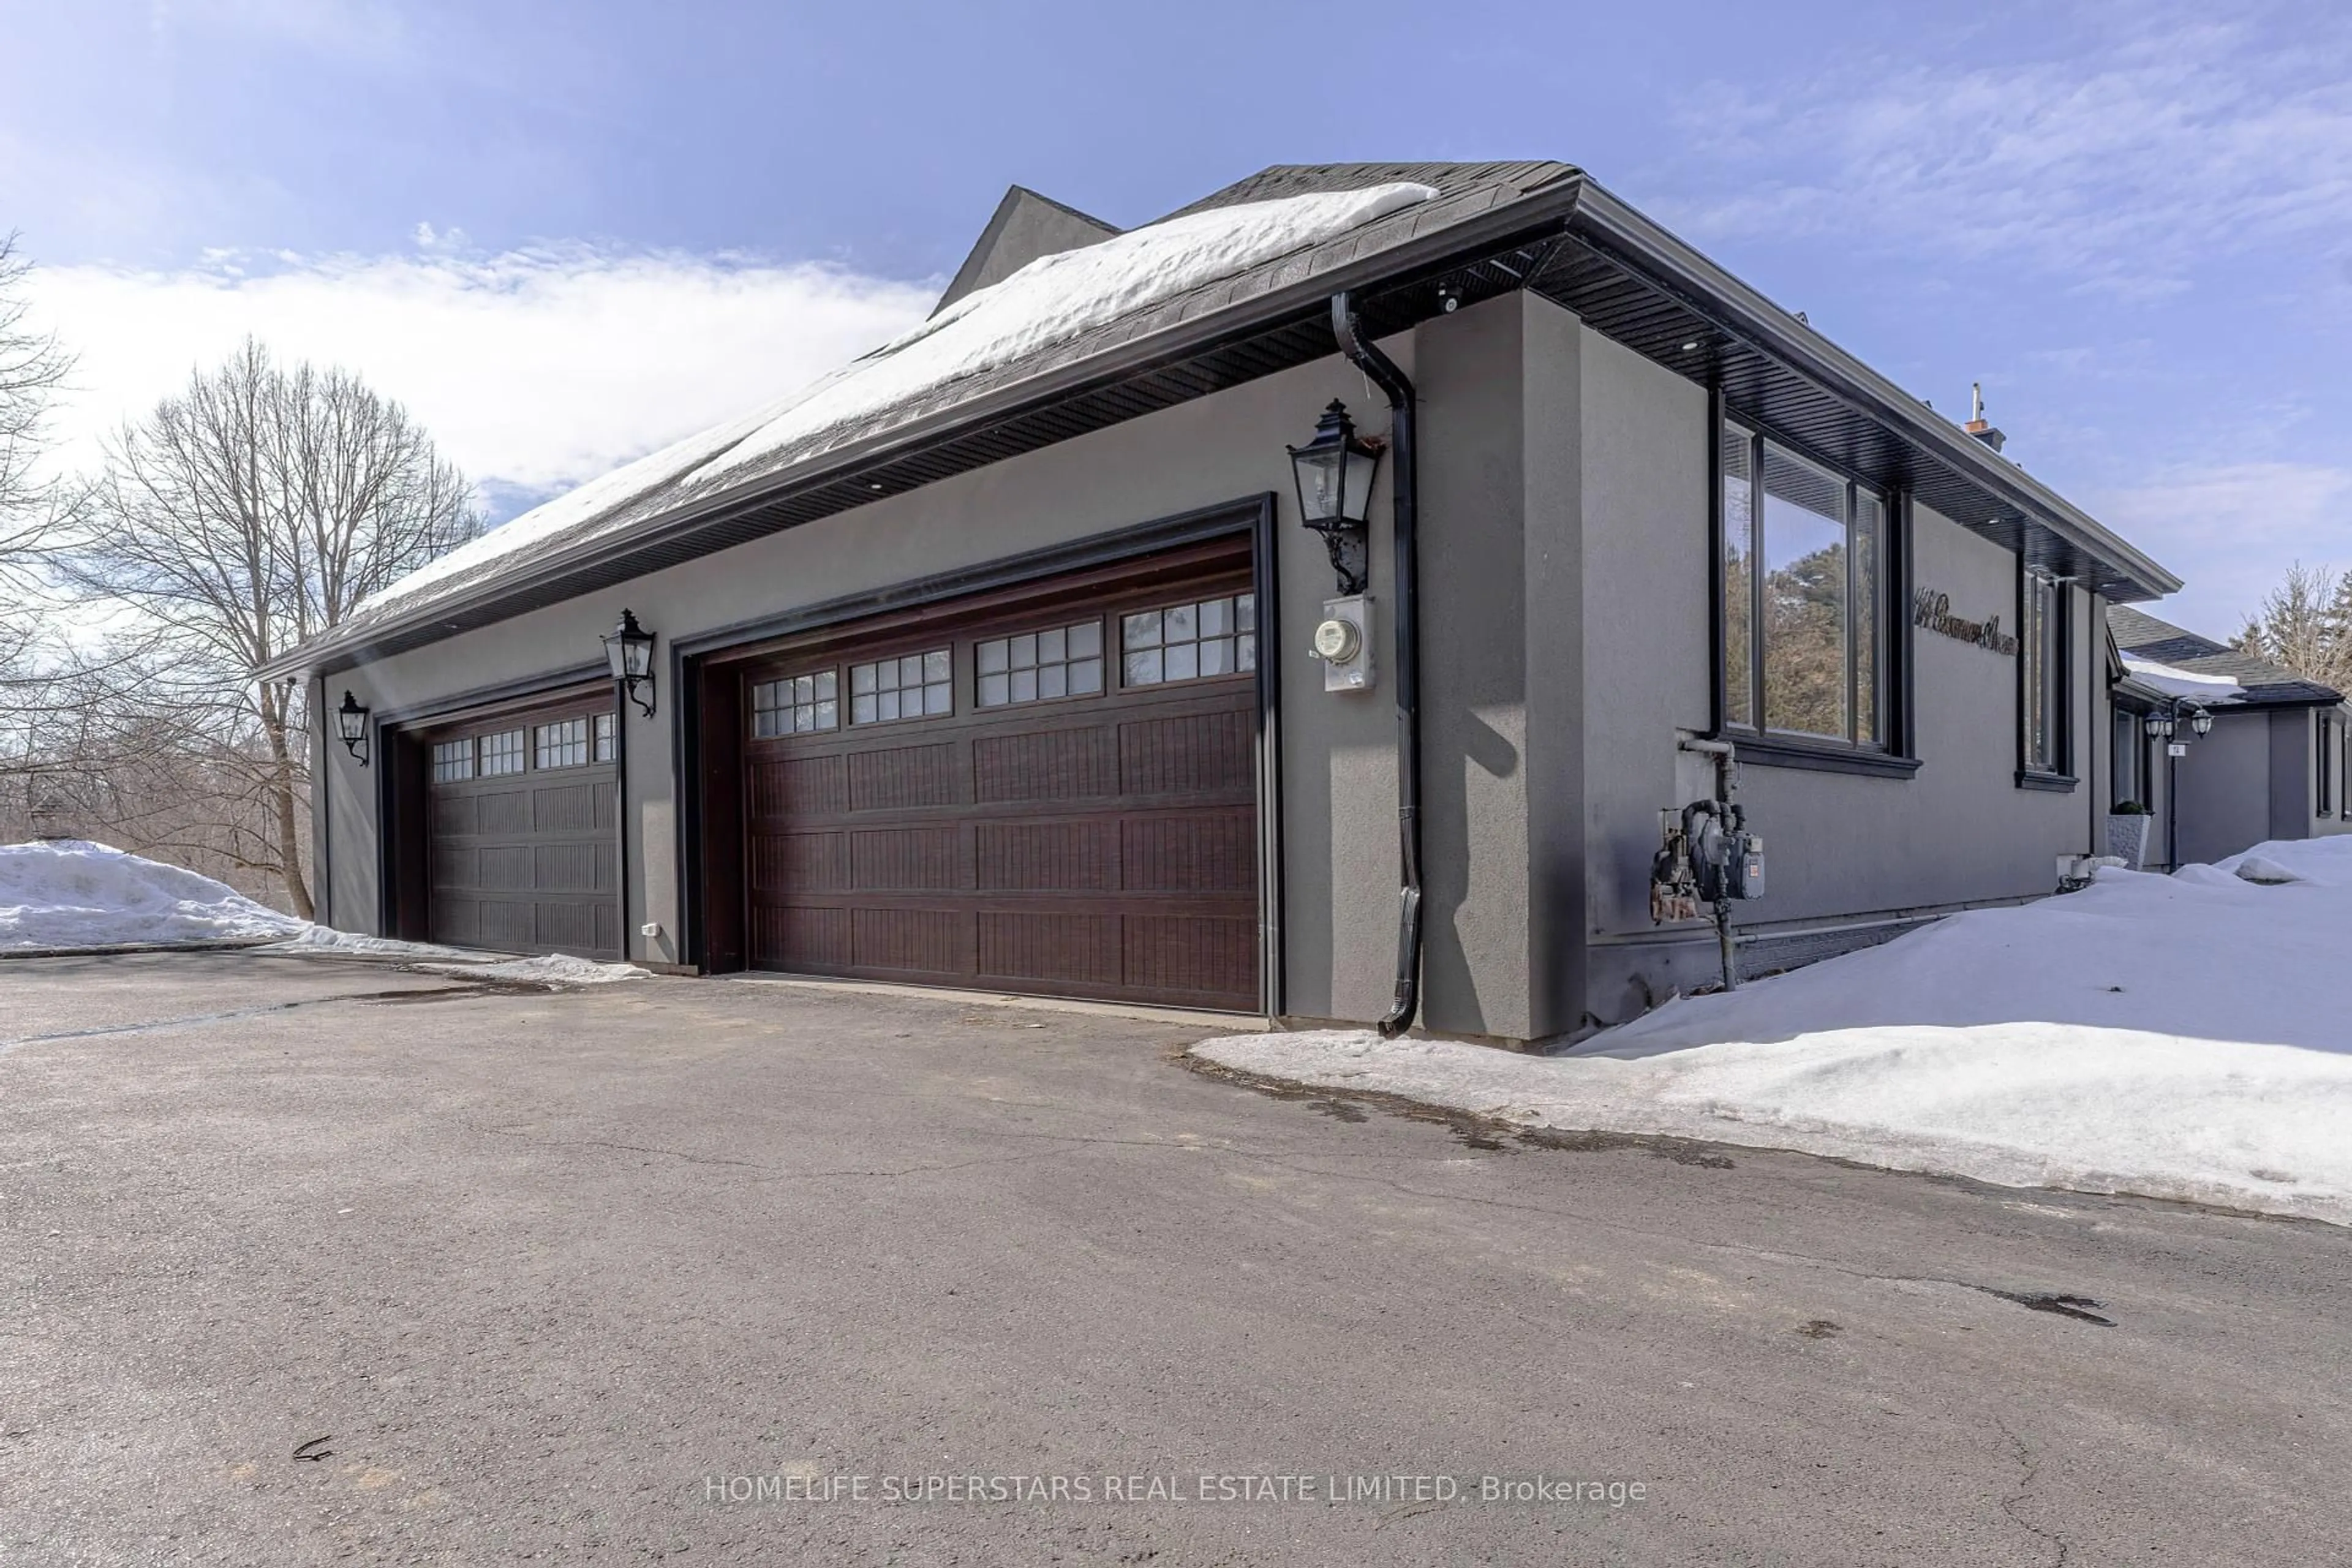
<point x="1706" y="289"/>
<point x="1536" y="215"/>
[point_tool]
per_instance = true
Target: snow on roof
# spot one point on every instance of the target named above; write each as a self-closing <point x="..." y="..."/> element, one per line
<point x="2174" y="682"/>
<point x="1052" y="300"/>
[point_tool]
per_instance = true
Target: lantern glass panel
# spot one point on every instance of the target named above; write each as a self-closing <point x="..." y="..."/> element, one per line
<point x="1322" y="476"/>
<point x="1356" y="500"/>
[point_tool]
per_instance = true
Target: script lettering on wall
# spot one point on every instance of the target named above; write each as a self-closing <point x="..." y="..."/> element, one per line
<point x="1932" y="612"/>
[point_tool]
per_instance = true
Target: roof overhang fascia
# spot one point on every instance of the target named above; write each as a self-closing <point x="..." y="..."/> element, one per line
<point x="1709" y="292"/>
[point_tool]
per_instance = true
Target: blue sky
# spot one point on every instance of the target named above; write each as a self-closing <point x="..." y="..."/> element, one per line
<point x="568" y="233"/>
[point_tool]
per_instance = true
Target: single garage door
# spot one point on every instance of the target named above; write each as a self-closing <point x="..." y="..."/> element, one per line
<point x="1053" y="795"/>
<point x="520" y="812"/>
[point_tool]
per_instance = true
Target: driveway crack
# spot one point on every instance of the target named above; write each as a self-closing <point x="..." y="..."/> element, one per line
<point x="2031" y="1463"/>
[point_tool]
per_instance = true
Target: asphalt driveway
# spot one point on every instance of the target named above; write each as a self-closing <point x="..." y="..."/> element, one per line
<point x="313" y="1260"/>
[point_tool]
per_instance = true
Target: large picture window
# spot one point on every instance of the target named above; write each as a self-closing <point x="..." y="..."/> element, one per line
<point x="1804" y="596"/>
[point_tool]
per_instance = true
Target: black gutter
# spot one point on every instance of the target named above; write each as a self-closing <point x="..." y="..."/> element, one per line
<point x="1404" y="499"/>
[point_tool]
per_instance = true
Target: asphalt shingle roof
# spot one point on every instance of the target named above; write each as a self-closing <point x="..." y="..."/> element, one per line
<point x="2267" y="684"/>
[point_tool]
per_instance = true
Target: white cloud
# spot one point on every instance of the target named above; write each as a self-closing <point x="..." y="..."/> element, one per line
<point x="534" y="370"/>
<point x="2231" y="530"/>
<point x="2123" y="166"/>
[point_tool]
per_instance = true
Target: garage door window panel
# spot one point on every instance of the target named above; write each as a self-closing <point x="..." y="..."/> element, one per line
<point x="1195" y="641"/>
<point x="562" y="745"/>
<point x="1039" y="666"/>
<point x="796" y="705"/>
<point x="453" y="761"/>
<point x="911" y="686"/>
<point x="502" y="753"/>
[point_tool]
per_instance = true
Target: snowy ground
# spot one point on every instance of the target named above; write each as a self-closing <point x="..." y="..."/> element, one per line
<point x="2185" y="1037"/>
<point x="72" y="895"/>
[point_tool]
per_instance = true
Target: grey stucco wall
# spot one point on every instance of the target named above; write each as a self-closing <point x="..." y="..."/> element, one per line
<point x="2296" y="810"/>
<point x="1339" y="836"/>
<point x="1502" y="689"/>
<point x="1841" y="848"/>
<point x="2223" y="780"/>
<point x="2294" y="782"/>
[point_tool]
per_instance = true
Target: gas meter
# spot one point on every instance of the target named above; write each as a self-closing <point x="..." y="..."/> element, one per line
<point x="1708" y="858"/>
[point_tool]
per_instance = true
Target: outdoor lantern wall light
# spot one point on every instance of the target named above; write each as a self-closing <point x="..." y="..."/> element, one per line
<point x="1334" y="473"/>
<point x="629" y="648"/>
<point x="2163" y="723"/>
<point x="351" y="728"/>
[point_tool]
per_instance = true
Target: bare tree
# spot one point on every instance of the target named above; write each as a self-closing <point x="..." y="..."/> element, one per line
<point x="2305" y="625"/>
<point x="248" y="513"/>
<point x="31" y="367"/>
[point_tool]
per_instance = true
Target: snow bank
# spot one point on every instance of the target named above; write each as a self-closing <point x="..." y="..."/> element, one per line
<point x="2180" y="1037"/>
<point x="1050" y="301"/>
<point x="69" y="893"/>
<point x="549" y="969"/>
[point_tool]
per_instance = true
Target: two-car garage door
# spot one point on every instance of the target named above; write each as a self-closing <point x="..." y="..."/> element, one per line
<point x="1052" y="792"/>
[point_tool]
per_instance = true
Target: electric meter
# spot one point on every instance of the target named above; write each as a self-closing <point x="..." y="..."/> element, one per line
<point x="1338" y="640"/>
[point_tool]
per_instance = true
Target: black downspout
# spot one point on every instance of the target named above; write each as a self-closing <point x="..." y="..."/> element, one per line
<point x="621" y="805"/>
<point x="323" y="831"/>
<point x="1404" y="498"/>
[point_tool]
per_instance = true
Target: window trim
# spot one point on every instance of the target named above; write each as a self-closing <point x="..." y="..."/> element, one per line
<point x="2059" y="776"/>
<point x="2127" y="739"/>
<point x="1895" y="754"/>
<point x="2325" y="751"/>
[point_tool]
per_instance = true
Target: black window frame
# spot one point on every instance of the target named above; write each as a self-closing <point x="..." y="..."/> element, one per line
<point x="2129" y="740"/>
<point x="2326" y="753"/>
<point x="1892" y="754"/>
<point x="2057" y="773"/>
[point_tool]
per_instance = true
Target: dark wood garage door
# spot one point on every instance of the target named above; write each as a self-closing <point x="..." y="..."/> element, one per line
<point x="521" y="809"/>
<point x="1055" y="796"/>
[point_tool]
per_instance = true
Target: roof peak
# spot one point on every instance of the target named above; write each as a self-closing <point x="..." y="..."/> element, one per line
<point x="1027" y="225"/>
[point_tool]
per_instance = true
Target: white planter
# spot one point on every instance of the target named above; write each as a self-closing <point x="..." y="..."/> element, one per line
<point x="2127" y="839"/>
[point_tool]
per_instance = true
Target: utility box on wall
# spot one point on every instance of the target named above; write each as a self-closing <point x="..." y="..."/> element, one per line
<point x="1343" y="641"/>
